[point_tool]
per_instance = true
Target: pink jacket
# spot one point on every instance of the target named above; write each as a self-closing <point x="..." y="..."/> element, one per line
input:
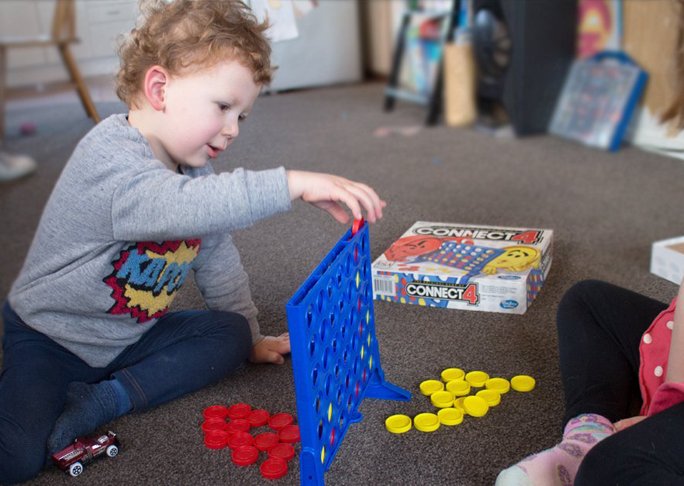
<point x="654" y="351"/>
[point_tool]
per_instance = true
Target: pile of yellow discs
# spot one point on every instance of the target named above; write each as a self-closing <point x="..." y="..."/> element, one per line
<point x="452" y="396"/>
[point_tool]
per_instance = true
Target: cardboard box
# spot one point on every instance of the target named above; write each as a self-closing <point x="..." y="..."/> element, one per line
<point x="667" y="259"/>
<point x="460" y="266"/>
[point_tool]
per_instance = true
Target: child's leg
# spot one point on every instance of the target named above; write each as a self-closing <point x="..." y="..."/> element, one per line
<point x="33" y="385"/>
<point x="183" y="352"/>
<point x="649" y="452"/>
<point x="558" y="465"/>
<point x="599" y="330"/>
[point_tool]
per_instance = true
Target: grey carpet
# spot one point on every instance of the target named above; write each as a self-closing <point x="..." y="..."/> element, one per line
<point x="606" y="209"/>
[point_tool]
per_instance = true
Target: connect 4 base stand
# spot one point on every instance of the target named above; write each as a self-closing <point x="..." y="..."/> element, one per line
<point x="335" y="354"/>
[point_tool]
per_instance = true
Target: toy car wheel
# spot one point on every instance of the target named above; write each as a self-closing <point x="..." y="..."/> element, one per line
<point x="75" y="469"/>
<point x="112" y="450"/>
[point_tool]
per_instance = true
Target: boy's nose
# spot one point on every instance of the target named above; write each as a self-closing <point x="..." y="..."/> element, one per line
<point x="231" y="129"/>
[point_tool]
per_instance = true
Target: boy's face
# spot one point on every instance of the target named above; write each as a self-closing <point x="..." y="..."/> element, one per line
<point x="202" y="111"/>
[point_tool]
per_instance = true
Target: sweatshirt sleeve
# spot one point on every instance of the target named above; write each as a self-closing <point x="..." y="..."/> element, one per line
<point x="159" y="203"/>
<point x="223" y="282"/>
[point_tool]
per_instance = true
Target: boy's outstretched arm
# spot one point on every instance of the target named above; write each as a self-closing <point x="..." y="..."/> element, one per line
<point x="271" y="349"/>
<point x="327" y="192"/>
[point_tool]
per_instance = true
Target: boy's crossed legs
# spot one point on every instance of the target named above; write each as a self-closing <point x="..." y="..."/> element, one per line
<point x="49" y="395"/>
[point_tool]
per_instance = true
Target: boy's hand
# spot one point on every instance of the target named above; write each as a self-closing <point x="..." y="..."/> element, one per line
<point x="326" y="191"/>
<point x="271" y="349"/>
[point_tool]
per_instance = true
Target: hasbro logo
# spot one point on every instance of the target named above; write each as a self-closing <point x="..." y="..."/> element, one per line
<point x="509" y="277"/>
<point x="509" y="304"/>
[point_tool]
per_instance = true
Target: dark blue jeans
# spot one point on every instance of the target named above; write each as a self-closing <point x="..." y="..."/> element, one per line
<point x="181" y="353"/>
<point x="600" y="327"/>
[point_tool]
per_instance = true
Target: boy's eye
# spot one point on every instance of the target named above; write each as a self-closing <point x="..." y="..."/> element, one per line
<point x="224" y="106"/>
<point x="242" y="117"/>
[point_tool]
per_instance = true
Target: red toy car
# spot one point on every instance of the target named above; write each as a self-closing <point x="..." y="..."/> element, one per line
<point x="84" y="449"/>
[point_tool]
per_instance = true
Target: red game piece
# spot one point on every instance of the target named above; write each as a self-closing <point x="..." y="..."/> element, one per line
<point x="245" y="455"/>
<point x="266" y="441"/>
<point x="258" y="417"/>
<point x="216" y="439"/>
<point x="240" y="439"/>
<point x="289" y="434"/>
<point x="273" y="468"/>
<point x="282" y="451"/>
<point x="215" y="411"/>
<point x="214" y="424"/>
<point x="280" y="420"/>
<point x="356" y="226"/>
<point x="241" y="425"/>
<point x="239" y="411"/>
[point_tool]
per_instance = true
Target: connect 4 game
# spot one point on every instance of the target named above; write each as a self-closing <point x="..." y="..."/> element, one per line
<point x="458" y="266"/>
<point x="335" y="354"/>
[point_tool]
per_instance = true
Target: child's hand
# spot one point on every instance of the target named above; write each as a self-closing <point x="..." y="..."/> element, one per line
<point x="628" y="422"/>
<point x="271" y="349"/>
<point x="327" y="191"/>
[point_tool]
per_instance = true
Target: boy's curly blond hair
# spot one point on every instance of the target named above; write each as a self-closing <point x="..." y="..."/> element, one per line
<point x="186" y="35"/>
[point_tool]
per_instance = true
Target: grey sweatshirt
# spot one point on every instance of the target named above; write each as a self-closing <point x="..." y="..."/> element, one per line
<point x="121" y="232"/>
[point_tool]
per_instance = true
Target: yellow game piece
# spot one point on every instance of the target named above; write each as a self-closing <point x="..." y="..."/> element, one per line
<point x="458" y="403"/>
<point x="450" y="416"/>
<point x="398" y="424"/>
<point x="459" y="388"/>
<point x="452" y="374"/>
<point x="501" y="385"/>
<point x="426" y="422"/>
<point x="492" y="397"/>
<point x="523" y="383"/>
<point x="428" y="387"/>
<point x="442" y="399"/>
<point x="476" y="378"/>
<point x="475" y="406"/>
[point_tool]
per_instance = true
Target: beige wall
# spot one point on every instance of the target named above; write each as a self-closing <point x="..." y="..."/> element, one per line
<point x="650" y="35"/>
<point x="381" y="20"/>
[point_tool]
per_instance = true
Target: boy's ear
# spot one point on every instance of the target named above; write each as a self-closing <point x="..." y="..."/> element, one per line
<point x="154" y="87"/>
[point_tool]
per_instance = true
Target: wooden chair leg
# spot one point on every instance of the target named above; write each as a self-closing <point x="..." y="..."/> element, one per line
<point x="3" y="80"/>
<point x="77" y="79"/>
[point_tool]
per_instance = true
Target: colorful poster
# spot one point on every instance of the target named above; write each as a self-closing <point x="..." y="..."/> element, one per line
<point x="600" y="27"/>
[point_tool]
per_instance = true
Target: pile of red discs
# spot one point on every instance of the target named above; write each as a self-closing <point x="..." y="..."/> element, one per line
<point x="234" y="427"/>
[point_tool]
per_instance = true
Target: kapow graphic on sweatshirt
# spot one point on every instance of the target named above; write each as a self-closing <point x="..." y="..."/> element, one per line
<point x="147" y="276"/>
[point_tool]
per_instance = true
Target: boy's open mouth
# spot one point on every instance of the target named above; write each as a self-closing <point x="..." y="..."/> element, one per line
<point x="213" y="151"/>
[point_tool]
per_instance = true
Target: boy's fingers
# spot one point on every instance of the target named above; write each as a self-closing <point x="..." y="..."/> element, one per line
<point x="350" y="201"/>
<point x="366" y="200"/>
<point x="275" y="358"/>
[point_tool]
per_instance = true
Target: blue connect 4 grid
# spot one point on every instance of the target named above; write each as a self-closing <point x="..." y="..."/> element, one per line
<point x="335" y="355"/>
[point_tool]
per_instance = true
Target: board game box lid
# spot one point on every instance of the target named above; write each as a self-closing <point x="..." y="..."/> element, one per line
<point x="465" y="250"/>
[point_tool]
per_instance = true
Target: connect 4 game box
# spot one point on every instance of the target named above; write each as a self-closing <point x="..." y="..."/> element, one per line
<point x="459" y="266"/>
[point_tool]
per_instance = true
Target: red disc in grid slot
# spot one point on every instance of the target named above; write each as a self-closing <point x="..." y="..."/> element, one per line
<point x="239" y="411"/>
<point x="273" y="468"/>
<point x="245" y="455"/>
<point x="266" y="441"/>
<point x="356" y="226"/>
<point x="215" y="411"/>
<point x="240" y="439"/>
<point x="282" y="451"/>
<point x="280" y="420"/>
<point x="258" y="417"/>
<point x="289" y="434"/>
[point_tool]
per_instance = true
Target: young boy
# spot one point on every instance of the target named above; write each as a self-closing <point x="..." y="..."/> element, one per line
<point x="88" y="336"/>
